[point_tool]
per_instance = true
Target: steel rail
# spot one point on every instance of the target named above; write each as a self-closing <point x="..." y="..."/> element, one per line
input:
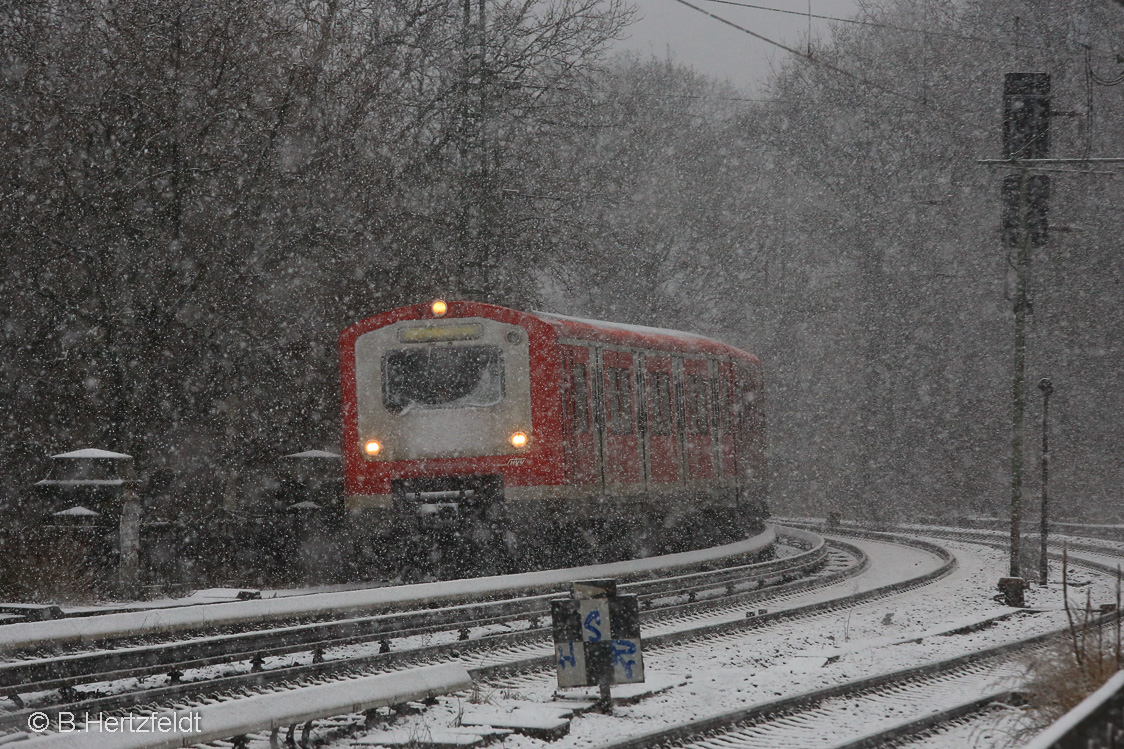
<point x="546" y="661"/>
<point x="929" y="723"/>
<point x="729" y="723"/>
<point x="230" y="617"/>
<point x="517" y="643"/>
<point x="1107" y="546"/>
<point x="725" y="725"/>
<point x="972" y="535"/>
<point x="67" y="671"/>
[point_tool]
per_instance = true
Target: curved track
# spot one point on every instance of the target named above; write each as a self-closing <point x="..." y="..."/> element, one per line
<point x="890" y="709"/>
<point x="506" y="632"/>
<point x="729" y="619"/>
<point x="891" y="569"/>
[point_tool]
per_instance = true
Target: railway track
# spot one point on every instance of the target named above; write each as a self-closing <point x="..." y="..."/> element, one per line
<point x="434" y="606"/>
<point x="796" y="613"/>
<point x="998" y="539"/>
<point x="893" y="709"/>
<point x="339" y="648"/>
<point x="152" y="626"/>
<point x="843" y="716"/>
<point x="994" y="538"/>
<point x="672" y="620"/>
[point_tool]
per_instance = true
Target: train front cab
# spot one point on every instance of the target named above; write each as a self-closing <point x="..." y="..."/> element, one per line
<point x="441" y="415"/>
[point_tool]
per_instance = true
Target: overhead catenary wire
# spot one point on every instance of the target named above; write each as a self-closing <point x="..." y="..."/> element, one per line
<point x="893" y="27"/>
<point x="861" y="22"/>
<point x="823" y="63"/>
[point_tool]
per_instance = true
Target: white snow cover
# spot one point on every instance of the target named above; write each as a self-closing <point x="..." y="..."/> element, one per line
<point x="87" y="629"/>
<point x="264" y="712"/>
<point x="314" y="454"/>
<point x="641" y="329"/>
<point x="79" y="511"/>
<point x="93" y="452"/>
<point x="82" y="482"/>
<point x="786" y="658"/>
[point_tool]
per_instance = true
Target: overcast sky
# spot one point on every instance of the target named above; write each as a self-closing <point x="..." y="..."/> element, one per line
<point x="711" y="47"/>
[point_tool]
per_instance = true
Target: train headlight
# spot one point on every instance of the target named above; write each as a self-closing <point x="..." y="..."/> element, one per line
<point x="439" y="307"/>
<point x="519" y="440"/>
<point x="372" y="447"/>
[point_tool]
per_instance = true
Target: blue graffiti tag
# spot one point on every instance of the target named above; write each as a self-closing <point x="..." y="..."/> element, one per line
<point x="563" y="659"/>
<point x="591" y="619"/>
<point x="621" y="648"/>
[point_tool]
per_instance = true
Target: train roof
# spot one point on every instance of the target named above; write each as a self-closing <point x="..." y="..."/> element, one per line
<point x="640" y="336"/>
<point x="564" y="326"/>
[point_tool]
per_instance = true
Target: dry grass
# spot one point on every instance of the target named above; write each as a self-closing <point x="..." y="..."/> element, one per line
<point x="51" y="570"/>
<point x="1060" y="678"/>
<point x="1058" y="682"/>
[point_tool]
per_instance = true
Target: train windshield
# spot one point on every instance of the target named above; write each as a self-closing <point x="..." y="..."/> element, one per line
<point x="442" y="377"/>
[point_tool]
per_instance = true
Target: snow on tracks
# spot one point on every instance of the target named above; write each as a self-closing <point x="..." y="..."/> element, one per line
<point x="27" y="636"/>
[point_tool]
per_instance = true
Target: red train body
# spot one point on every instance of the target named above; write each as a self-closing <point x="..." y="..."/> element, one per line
<point x="642" y="438"/>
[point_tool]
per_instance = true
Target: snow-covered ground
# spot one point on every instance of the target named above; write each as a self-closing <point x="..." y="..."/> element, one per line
<point x="722" y="673"/>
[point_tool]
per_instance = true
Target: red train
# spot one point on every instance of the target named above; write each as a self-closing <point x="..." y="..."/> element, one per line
<point x="530" y="438"/>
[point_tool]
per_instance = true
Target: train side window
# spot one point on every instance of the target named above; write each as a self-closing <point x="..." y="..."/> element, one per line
<point x="580" y="396"/>
<point x="618" y="399"/>
<point x="698" y="413"/>
<point x="659" y="404"/>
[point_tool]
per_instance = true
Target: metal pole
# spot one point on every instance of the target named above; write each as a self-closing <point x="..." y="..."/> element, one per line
<point x="605" y="703"/>
<point x="1022" y="274"/>
<point x="1047" y="388"/>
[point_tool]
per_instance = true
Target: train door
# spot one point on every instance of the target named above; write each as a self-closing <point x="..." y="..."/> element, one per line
<point x="663" y="436"/>
<point x="750" y="431"/>
<point x="638" y="366"/>
<point x="697" y="413"/>
<point x="726" y="391"/>
<point x="581" y="438"/>
<point x="621" y="440"/>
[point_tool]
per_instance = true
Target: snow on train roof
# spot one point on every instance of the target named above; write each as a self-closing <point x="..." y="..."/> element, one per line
<point x="565" y="325"/>
<point x="638" y="330"/>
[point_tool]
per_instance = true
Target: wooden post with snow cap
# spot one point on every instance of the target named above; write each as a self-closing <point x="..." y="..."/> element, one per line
<point x="597" y="638"/>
